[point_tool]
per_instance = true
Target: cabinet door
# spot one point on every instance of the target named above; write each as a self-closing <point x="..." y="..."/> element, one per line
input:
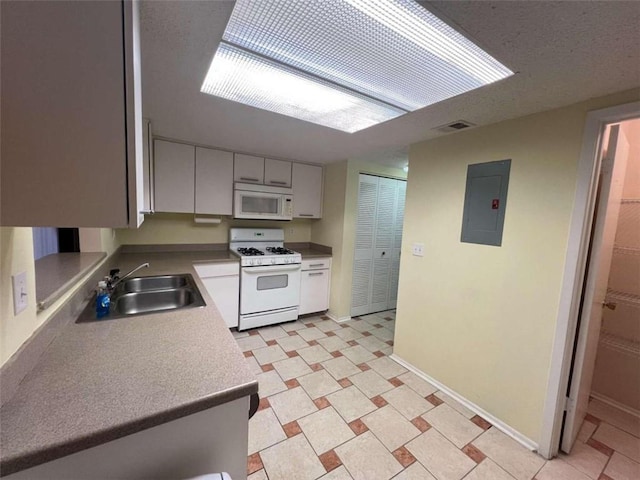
<point x="314" y="291"/>
<point x="174" y="171"/>
<point x="225" y="293"/>
<point x="147" y="167"/>
<point x="214" y="181"/>
<point x="277" y="173"/>
<point x="248" y="169"/>
<point x="65" y="142"/>
<point x="307" y="190"/>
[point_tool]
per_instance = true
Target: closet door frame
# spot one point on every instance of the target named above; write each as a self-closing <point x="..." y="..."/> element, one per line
<point x="374" y="274"/>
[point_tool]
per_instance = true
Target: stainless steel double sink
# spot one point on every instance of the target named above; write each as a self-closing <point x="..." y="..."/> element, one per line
<point x="144" y="295"/>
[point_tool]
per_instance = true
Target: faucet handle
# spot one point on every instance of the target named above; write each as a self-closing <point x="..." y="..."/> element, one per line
<point x="114" y="272"/>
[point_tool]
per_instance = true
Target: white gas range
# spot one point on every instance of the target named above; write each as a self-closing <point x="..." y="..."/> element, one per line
<point x="269" y="277"/>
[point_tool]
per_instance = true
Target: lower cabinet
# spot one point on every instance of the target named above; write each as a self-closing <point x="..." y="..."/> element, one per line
<point x="222" y="281"/>
<point x="314" y="285"/>
<point x="209" y="441"/>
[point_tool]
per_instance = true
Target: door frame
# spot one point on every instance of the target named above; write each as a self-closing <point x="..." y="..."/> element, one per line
<point x="575" y="271"/>
<point x="355" y="232"/>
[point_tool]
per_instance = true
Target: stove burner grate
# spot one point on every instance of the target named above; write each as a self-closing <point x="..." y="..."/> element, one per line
<point x="280" y="251"/>
<point x="250" y="251"/>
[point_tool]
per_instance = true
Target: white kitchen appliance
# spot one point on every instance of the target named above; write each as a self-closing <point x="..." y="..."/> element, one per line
<point x="269" y="277"/>
<point x="262" y="202"/>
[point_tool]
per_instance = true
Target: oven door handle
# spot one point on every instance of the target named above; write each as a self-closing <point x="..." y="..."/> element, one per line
<point x="272" y="268"/>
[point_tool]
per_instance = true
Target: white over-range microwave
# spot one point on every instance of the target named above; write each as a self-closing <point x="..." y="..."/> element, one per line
<point x="261" y="202"/>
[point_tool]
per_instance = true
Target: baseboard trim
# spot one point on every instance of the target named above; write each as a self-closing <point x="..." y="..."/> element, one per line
<point x="615" y="404"/>
<point x="496" y="422"/>
<point x="337" y="319"/>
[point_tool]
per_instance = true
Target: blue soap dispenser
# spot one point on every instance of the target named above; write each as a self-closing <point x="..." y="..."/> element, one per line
<point x="103" y="301"/>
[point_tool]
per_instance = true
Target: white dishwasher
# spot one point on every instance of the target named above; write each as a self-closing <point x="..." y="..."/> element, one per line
<point x="315" y="282"/>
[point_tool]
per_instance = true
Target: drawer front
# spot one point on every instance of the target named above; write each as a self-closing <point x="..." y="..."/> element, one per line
<point x="205" y="270"/>
<point x="316" y="263"/>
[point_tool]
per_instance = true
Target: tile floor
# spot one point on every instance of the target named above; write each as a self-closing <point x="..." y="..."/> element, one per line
<point x="334" y="406"/>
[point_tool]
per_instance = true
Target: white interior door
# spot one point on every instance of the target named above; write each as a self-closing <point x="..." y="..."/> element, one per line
<point x="377" y="245"/>
<point x="363" y="255"/>
<point x="610" y="187"/>
<point x="397" y="245"/>
<point x="384" y="240"/>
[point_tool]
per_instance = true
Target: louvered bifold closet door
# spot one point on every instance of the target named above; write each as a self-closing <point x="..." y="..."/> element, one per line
<point x="378" y="241"/>
<point x="363" y="255"/>
<point x="397" y="244"/>
<point x="384" y="242"/>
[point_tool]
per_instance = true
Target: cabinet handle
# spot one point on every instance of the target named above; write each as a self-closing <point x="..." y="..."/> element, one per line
<point x="316" y="264"/>
<point x="277" y="182"/>
<point x="306" y="214"/>
<point x="249" y="179"/>
<point x="316" y="273"/>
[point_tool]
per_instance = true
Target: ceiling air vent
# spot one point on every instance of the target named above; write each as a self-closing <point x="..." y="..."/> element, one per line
<point x="455" y="126"/>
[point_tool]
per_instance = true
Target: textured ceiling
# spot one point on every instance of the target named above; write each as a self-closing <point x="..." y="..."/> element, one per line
<point x="563" y="52"/>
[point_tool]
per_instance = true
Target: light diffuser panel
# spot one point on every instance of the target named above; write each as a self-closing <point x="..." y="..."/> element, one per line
<point x="394" y="52"/>
<point x="240" y="76"/>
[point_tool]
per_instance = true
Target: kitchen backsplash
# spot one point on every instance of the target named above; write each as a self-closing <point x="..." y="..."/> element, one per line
<point x="174" y="228"/>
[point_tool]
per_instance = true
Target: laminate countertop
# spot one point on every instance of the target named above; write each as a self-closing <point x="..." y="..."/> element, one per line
<point x="310" y="250"/>
<point x="312" y="253"/>
<point x="102" y="380"/>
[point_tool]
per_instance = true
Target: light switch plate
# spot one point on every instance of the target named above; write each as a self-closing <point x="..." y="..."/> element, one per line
<point x="20" y="297"/>
<point x="418" y="249"/>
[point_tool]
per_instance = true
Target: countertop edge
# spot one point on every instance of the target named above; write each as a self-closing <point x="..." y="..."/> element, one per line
<point x="38" y="457"/>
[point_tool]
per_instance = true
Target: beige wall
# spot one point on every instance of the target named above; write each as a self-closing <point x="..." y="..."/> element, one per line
<point x="179" y="228"/>
<point x="16" y="255"/>
<point x="98" y="240"/>
<point x="16" y="251"/>
<point x="337" y="227"/>
<point x="330" y="229"/>
<point x="481" y="319"/>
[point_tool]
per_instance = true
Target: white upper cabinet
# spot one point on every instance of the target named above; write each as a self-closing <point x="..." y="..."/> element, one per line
<point x="71" y="114"/>
<point x="307" y="190"/>
<point x="248" y="169"/>
<point x="214" y="181"/>
<point x="277" y="173"/>
<point x="174" y="177"/>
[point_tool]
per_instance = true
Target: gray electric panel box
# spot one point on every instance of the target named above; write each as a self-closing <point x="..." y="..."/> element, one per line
<point x="485" y="202"/>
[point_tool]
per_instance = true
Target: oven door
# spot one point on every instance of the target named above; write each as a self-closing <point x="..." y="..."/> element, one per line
<point x="267" y="288"/>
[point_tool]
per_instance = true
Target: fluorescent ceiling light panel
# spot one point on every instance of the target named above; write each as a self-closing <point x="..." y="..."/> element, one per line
<point x="244" y="77"/>
<point x="371" y="60"/>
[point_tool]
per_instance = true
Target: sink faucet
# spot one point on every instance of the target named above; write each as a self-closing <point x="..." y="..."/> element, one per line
<point x="114" y="279"/>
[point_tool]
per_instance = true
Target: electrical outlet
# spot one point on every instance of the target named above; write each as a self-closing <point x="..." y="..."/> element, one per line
<point x="418" y="249"/>
<point x="20" y="297"/>
<point x="291" y="230"/>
